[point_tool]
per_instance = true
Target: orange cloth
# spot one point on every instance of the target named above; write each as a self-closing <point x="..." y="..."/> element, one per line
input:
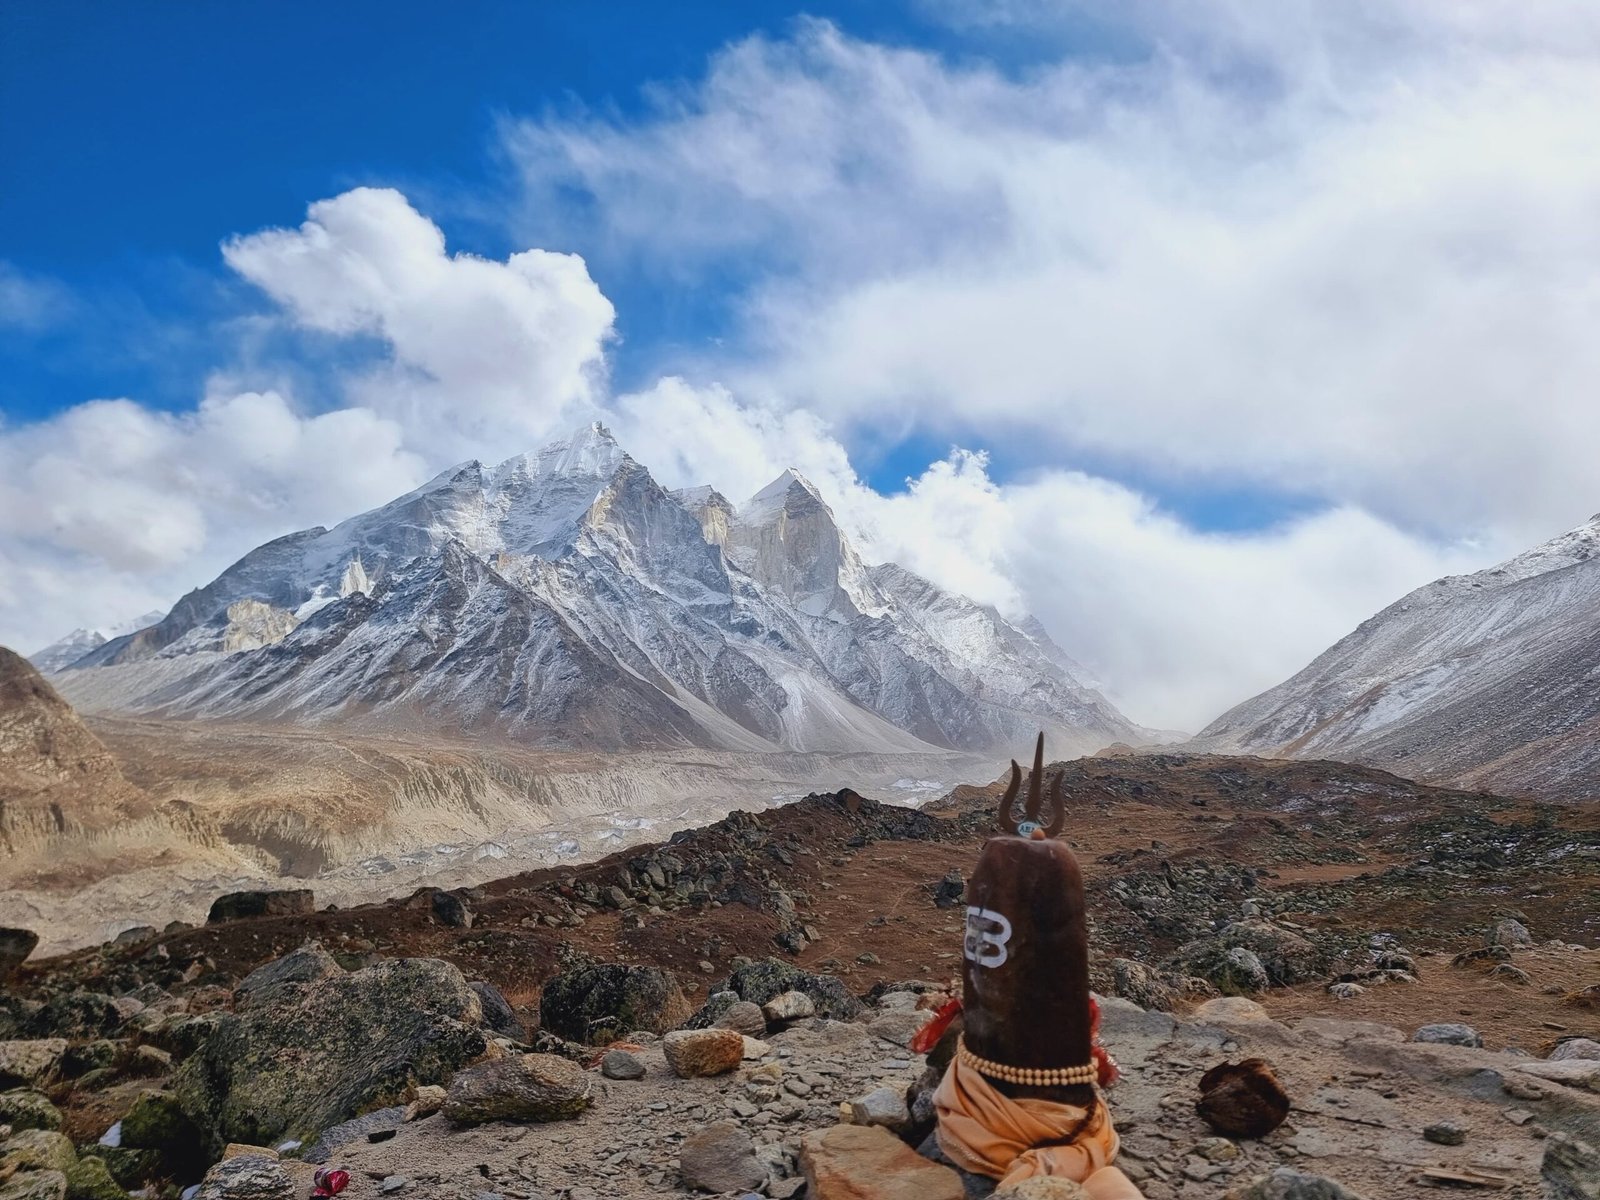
<point x="987" y="1133"/>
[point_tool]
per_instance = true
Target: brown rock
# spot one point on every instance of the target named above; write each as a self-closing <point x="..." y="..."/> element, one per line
<point x="1042" y="1187"/>
<point x="854" y="1162"/>
<point x="530" y="1087"/>
<point x="1242" y="1099"/>
<point x="696" y="1052"/>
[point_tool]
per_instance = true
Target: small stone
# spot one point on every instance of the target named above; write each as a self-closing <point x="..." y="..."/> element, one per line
<point x="885" y="1106"/>
<point x="1517" y="1116"/>
<point x="743" y="1017"/>
<point x="1449" y="1034"/>
<point x="693" y="1053"/>
<point x="425" y="1101"/>
<point x="1217" y="1150"/>
<point x="1445" y="1133"/>
<point x="1345" y="991"/>
<point x="1575" y="1048"/>
<point x="1521" y="1088"/>
<point x="1511" y="974"/>
<point x="720" y="1158"/>
<point x="392" y="1184"/>
<point x="1043" y="1187"/>
<point x="528" y="1087"/>
<point x="790" y="1006"/>
<point x="619" y="1064"/>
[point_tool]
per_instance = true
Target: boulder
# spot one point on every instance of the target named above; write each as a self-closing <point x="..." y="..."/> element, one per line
<point x="692" y="1053"/>
<point x="600" y="1002"/>
<point x="450" y="909"/>
<point x="32" y="1063"/>
<point x="950" y="891"/>
<point x="766" y="979"/>
<point x="80" y="1016"/>
<point x="1136" y="982"/>
<point x="1449" y="1034"/>
<point x="526" y="1087"/>
<point x="720" y="1158"/>
<point x="619" y="1064"/>
<point x="247" y="1177"/>
<point x="181" y="1034"/>
<point x="158" y="1123"/>
<point x="857" y="1162"/>
<point x="311" y="1057"/>
<point x="286" y="976"/>
<point x="1510" y="933"/>
<point x="743" y="1017"/>
<point x="35" y="1185"/>
<point x="788" y="1006"/>
<point x="15" y="946"/>
<point x="23" y="1108"/>
<point x="90" y="1179"/>
<point x="498" y="1015"/>
<point x="1575" y="1048"/>
<point x="330" y="1141"/>
<point x="1286" y="1183"/>
<point x="37" y="1150"/>
<point x="1570" y="1168"/>
<point x="237" y="906"/>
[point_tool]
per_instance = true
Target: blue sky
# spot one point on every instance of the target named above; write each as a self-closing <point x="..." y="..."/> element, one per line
<point x="1202" y="330"/>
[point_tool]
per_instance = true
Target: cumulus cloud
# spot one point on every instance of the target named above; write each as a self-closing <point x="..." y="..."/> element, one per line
<point x="1342" y="251"/>
<point x="111" y="508"/>
<point x="479" y="351"/>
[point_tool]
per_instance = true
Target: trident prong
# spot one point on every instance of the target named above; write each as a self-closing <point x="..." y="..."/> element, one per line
<point x="1031" y="825"/>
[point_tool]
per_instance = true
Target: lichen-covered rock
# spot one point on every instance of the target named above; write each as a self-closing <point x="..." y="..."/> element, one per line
<point x="527" y="1087"/>
<point x="303" y="1061"/>
<point x="181" y="1034"/>
<point x="293" y="972"/>
<point x="1232" y="970"/>
<point x="35" y="1185"/>
<point x="158" y="1123"/>
<point x="600" y="1002"/>
<point x="237" y="906"/>
<point x="90" y="1179"/>
<point x="247" y="1177"/>
<point x="23" y="1108"/>
<point x="32" y="1063"/>
<point x="693" y="1053"/>
<point x="765" y="979"/>
<point x="80" y="1016"/>
<point x="1143" y="986"/>
<point x="129" y="1167"/>
<point x="37" y="1150"/>
<point x="498" y="1015"/>
<point x="1510" y="933"/>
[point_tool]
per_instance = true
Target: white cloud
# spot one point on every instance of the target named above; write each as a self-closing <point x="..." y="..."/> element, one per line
<point x="480" y="351"/>
<point x="29" y="303"/>
<point x="1345" y="251"/>
<point x="110" y="508"/>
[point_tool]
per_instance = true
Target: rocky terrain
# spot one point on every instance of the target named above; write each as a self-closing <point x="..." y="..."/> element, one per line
<point x="1483" y="680"/>
<point x="1418" y="966"/>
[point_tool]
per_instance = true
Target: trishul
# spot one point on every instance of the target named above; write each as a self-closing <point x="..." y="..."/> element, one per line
<point x="1031" y="825"/>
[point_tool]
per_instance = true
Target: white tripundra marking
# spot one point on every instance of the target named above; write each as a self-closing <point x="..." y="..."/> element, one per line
<point x="988" y="932"/>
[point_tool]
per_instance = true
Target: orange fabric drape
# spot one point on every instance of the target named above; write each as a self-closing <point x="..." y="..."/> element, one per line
<point x="987" y="1133"/>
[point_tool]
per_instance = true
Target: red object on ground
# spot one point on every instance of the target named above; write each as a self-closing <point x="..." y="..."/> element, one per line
<point x="928" y="1036"/>
<point x="330" y="1182"/>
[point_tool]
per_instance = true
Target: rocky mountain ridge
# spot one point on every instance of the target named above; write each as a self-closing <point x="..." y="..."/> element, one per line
<point x="564" y="598"/>
<point x="1482" y="680"/>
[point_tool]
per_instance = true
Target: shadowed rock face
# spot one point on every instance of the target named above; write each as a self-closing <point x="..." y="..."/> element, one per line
<point x="309" y="1057"/>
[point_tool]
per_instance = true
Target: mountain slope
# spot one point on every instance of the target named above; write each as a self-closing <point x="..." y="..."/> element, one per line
<point x="1491" y="679"/>
<point x="564" y="598"/>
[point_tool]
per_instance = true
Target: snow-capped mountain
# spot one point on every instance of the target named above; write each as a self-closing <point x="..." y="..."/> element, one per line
<point x="63" y="652"/>
<point x="565" y="598"/>
<point x="1491" y="679"/>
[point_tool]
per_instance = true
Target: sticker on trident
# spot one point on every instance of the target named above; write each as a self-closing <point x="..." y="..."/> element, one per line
<point x="987" y="935"/>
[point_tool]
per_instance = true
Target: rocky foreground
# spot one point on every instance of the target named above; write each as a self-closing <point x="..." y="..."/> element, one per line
<point x="730" y="1013"/>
